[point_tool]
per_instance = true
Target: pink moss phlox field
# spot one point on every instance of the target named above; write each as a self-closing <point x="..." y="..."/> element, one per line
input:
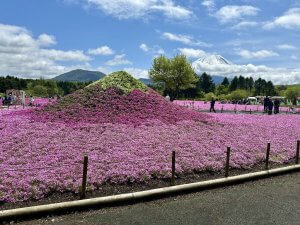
<point x="201" y="105"/>
<point x="40" y="101"/>
<point x="95" y="105"/>
<point x="37" y="102"/>
<point x="38" y="158"/>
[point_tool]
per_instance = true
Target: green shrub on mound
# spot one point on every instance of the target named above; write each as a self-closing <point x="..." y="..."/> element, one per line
<point x="121" y="80"/>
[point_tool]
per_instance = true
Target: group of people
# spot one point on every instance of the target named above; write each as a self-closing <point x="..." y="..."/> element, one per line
<point x="8" y="99"/>
<point x="11" y="99"/>
<point x="269" y="105"/>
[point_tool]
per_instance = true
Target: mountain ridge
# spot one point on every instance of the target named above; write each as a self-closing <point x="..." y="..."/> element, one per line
<point x="80" y="75"/>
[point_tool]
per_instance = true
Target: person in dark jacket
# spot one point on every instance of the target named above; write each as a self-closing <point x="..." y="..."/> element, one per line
<point x="276" y="106"/>
<point x="266" y="104"/>
<point x="212" y="105"/>
<point x="270" y="106"/>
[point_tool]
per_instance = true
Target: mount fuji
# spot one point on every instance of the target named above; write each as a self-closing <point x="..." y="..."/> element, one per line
<point x="212" y="60"/>
<point x="207" y="64"/>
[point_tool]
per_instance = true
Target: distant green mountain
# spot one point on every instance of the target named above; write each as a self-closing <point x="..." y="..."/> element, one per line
<point x="85" y="76"/>
<point x="146" y="81"/>
<point x="80" y="76"/>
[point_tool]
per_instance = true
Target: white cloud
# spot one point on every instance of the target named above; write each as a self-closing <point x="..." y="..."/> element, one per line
<point x="46" y="40"/>
<point x="185" y="39"/>
<point x="156" y="50"/>
<point x="294" y="57"/>
<point x="21" y="54"/>
<point x="144" y="47"/>
<point x="289" y="20"/>
<point x="104" y="69"/>
<point x="137" y="73"/>
<point x="241" y="42"/>
<point x="192" y="53"/>
<point x="286" y="47"/>
<point x="103" y="50"/>
<point x="126" y="9"/>
<point x="231" y="13"/>
<point x="59" y="55"/>
<point x="159" y="50"/>
<point x="171" y="11"/>
<point x="118" y="60"/>
<point x="209" y="4"/>
<point x="258" y="54"/>
<point x="244" y="24"/>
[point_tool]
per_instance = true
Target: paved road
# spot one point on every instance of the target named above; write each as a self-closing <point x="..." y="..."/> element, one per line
<point x="269" y="201"/>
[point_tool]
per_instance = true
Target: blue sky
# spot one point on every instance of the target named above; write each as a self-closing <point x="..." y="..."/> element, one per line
<point x="46" y="38"/>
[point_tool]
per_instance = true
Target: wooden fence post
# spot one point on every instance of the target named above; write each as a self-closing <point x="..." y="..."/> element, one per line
<point x="222" y="109"/>
<point x="84" y="176"/>
<point x="268" y="156"/>
<point x="250" y="111"/>
<point x="173" y="168"/>
<point x="297" y="152"/>
<point x="227" y="162"/>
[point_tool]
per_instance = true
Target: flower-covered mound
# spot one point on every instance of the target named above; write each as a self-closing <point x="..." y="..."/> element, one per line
<point x="39" y="158"/>
<point x="117" y="98"/>
<point x="121" y="80"/>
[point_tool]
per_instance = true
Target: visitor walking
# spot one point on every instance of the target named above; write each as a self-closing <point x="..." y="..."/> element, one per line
<point x="10" y="99"/>
<point x="276" y="106"/>
<point x="270" y="106"/>
<point x="168" y="97"/>
<point x="31" y="101"/>
<point x="5" y="100"/>
<point x="266" y="103"/>
<point x="212" y="105"/>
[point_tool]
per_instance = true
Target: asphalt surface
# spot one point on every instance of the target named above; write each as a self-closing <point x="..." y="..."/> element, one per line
<point x="269" y="201"/>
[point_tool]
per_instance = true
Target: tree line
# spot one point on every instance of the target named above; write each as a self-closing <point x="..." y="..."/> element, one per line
<point x="175" y="77"/>
<point x="40" y="87"/>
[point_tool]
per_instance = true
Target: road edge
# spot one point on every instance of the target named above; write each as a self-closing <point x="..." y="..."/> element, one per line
<point x="139" y="196"/>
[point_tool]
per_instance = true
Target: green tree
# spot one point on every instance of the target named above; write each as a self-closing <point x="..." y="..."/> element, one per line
<point x="209" y="96"/>
<point x="270" y="89"/>
<point x="40" y="91"/>
<point x="292" y="93"/>
<point x="260" y="87"/>
<point x="206" y="83"/>
<point x="238" y="94"/>
<point x="173" y="74"/>
<point x="225" y="82"/>
<point x="233" y="84"/>
<point x="52" y="88"/>
<point x="221" y="90"/>
<point x="241" y="83"/>
<point x="249" y="83"/>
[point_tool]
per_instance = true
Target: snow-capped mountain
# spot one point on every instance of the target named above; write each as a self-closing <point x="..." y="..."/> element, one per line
<point x="214" y="65"/>
<point x="217" y="65"/>
<point x="213" y="60"/>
